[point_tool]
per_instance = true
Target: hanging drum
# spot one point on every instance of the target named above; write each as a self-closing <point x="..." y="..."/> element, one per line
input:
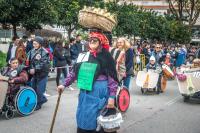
<point x="167" y="71"/>
<point x="123" y="99"/>
<point x="25" y="101"/>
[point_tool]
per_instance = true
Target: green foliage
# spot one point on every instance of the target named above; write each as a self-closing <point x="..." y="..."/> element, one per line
<point x="28" y="13"/>
<point x="132" y="20"/>
<point x="178" y="32"/>
<point x="2" y="59"/>
<point x="135" y="21"/>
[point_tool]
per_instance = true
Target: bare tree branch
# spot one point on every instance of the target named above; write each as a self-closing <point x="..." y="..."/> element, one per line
<point x="189" y="8"/>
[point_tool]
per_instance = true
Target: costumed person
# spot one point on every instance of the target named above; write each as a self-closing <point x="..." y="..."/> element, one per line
<point x="39" y="62"/>
<point x="153" y="65"/>
<point x="100" y="72"/>
<point x="124" y="45"/>
<point x="96" y="74"/>
<point x="16" y="74"/>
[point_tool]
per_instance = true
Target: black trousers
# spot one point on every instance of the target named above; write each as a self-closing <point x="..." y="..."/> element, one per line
<point x="59" y="72"/>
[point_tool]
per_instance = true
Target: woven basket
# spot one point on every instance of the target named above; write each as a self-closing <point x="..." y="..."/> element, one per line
<point x="94" y="20"/>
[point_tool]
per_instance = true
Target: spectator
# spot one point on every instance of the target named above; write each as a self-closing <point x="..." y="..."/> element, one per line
<point x="62" y="58"/>
<point x="21" y="52"/>
<point x="46" y="46"/>
<point x="181" y="58"/>
<point x="12" y="49"/>
<point x="73" y="50"/>
<point x="29" y="43"/>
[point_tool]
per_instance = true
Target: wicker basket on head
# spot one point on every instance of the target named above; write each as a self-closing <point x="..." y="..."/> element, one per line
<point x="91" y="17"/>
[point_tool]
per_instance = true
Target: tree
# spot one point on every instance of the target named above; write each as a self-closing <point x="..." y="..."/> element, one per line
<point x="185" y="10"/>
<point x="27" y="13"/>
<point x="178" y="32"/>
<point x="127" y="17"/>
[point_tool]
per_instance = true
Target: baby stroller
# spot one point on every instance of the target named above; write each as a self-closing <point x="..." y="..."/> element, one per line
<point x="23" y="101"/>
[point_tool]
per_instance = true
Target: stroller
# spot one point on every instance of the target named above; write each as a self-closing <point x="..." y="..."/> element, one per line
<point x="23" y="100"/>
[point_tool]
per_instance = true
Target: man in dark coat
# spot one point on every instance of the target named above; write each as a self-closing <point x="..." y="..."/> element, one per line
<point x="12" y="48"/>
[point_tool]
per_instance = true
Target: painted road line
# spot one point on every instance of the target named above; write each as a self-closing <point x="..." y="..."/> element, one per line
<point x="173" y="101"/>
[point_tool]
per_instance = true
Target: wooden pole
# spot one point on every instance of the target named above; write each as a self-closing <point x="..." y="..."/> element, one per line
<point x="55" y="113"/>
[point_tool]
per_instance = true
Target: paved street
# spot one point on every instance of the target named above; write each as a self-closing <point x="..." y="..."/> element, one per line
<point x="164" y="113"/>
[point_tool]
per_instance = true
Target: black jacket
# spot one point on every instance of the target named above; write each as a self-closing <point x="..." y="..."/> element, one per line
<point x="62" y="56"/>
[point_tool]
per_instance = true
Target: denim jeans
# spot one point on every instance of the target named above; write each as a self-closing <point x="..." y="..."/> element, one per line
<point x="39" y="85"/>
<point x="127" y="80"/>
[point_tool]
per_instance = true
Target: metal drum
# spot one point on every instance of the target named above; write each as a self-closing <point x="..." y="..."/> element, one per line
<point x="123" y="99"/>
<point x="25" y="101"/>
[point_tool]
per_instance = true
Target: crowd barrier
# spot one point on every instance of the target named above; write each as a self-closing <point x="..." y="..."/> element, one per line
<point x="139" y="66"/>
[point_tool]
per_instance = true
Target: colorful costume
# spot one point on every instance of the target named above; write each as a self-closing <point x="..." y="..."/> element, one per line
<point x="104" y="85"/>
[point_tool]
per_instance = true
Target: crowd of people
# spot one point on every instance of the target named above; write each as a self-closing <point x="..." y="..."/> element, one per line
<point x="105" y="67"/>
<point x="174" y="55"/>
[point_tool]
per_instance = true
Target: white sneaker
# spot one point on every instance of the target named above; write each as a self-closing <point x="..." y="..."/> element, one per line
<point x="71" y="88"/>
<point x="47" y="95"/>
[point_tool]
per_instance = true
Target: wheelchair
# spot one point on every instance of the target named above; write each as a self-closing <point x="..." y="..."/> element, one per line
<point x="23" y="100"/>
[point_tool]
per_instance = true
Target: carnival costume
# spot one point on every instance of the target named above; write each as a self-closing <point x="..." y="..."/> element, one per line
<point x="95" y="70"/>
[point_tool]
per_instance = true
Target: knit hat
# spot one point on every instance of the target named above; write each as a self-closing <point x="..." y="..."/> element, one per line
<point x="152" y="58"/>
<point x="39" y="40"/>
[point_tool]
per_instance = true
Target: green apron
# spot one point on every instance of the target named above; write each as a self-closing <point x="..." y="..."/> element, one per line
<point x="86" y="76"/>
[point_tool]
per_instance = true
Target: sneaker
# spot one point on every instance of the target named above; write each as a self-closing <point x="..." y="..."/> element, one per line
<point x="46" y="95"/>
<point x="71" y="88"/>
<point x="38" y="107"/>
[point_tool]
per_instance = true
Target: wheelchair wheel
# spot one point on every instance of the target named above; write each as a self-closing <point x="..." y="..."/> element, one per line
<point x="9" y="114"/>
<point x="123" y="99"/>
<point x="25" y="101"/>
<point x="186" y="98"/>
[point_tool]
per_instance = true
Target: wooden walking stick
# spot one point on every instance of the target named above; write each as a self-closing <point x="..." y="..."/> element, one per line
<point x="55" y="112"/>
